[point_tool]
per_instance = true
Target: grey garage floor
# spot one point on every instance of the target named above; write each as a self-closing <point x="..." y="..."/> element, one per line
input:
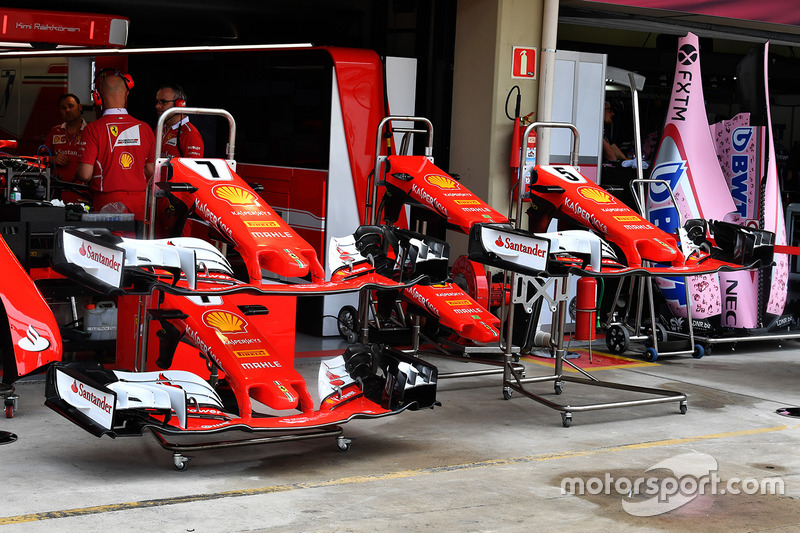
<point x="477" y="463"/>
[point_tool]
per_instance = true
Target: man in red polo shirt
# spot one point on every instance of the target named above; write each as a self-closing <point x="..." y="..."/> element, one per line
<point x="118" y="154"/>
<point x="180" y="137"/>
<point x="65" y="142"/>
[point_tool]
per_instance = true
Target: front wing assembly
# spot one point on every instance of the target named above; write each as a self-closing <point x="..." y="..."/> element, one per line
<point x="364" y="382"/>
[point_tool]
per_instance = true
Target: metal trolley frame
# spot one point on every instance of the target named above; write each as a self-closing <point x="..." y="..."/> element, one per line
<point x="512" y="379"/>
<point x="367" y="311"/>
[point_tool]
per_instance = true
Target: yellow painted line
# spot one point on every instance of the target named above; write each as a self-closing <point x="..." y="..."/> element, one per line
<point x="629" y="363"/>
<point x="352" y="480"/>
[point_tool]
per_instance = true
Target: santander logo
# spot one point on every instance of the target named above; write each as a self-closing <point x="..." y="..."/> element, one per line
<point x="109" y="261"/>
<point x="509" y="244"/>
<point x="33" y="341"/>
<point x="99" y="401"/>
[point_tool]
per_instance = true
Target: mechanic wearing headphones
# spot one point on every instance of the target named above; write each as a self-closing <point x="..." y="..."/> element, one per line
<point x="180" y="138"/>
<point x="118" y="154"/>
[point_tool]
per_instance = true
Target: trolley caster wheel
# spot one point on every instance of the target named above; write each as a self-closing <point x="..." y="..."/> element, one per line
<point x="347" y="323"/>
<point x="698" y="352"/>
<point x="11" y="404"/>
<point x="343" y="444"/>
<point x="180" y="462"/>
<point x="617" y="339"/>
<point x="566" y="419"/>
<point x="507" y="393"/>
<point x="706" y="349"/>
<point x="684" y="407"/>
<point x="650" y="355"/>
<point x="558" y="387"/>
<point x="659" y="333"/>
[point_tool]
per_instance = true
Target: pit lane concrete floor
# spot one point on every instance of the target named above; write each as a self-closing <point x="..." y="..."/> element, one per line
<point x="477" y="463"/>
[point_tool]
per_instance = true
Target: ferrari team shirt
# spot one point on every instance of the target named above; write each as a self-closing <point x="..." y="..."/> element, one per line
<point x="182" y="140"/>
<point x="118" y="146"/>
<point x="59" y="141"/>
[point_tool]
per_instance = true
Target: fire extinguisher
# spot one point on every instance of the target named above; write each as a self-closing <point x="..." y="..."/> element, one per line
<point x="586" y="307"/>
<point x="520" y="124"/>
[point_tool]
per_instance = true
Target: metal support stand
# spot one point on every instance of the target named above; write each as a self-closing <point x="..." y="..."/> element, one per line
<point x="620" y="333"/>
<point x="481" y="355"/>
<point x="512" y="381"/>
<point x="773" y="336"/>
<point x="366" y="308"/>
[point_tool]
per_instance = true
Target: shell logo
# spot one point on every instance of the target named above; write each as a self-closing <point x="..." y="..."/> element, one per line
<point x="443" y="182"/>
<point x="224" y="322"/>
<point x="235" y="195"/>
<point x="596" y="195"/>
<point x="125" y="160"/>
